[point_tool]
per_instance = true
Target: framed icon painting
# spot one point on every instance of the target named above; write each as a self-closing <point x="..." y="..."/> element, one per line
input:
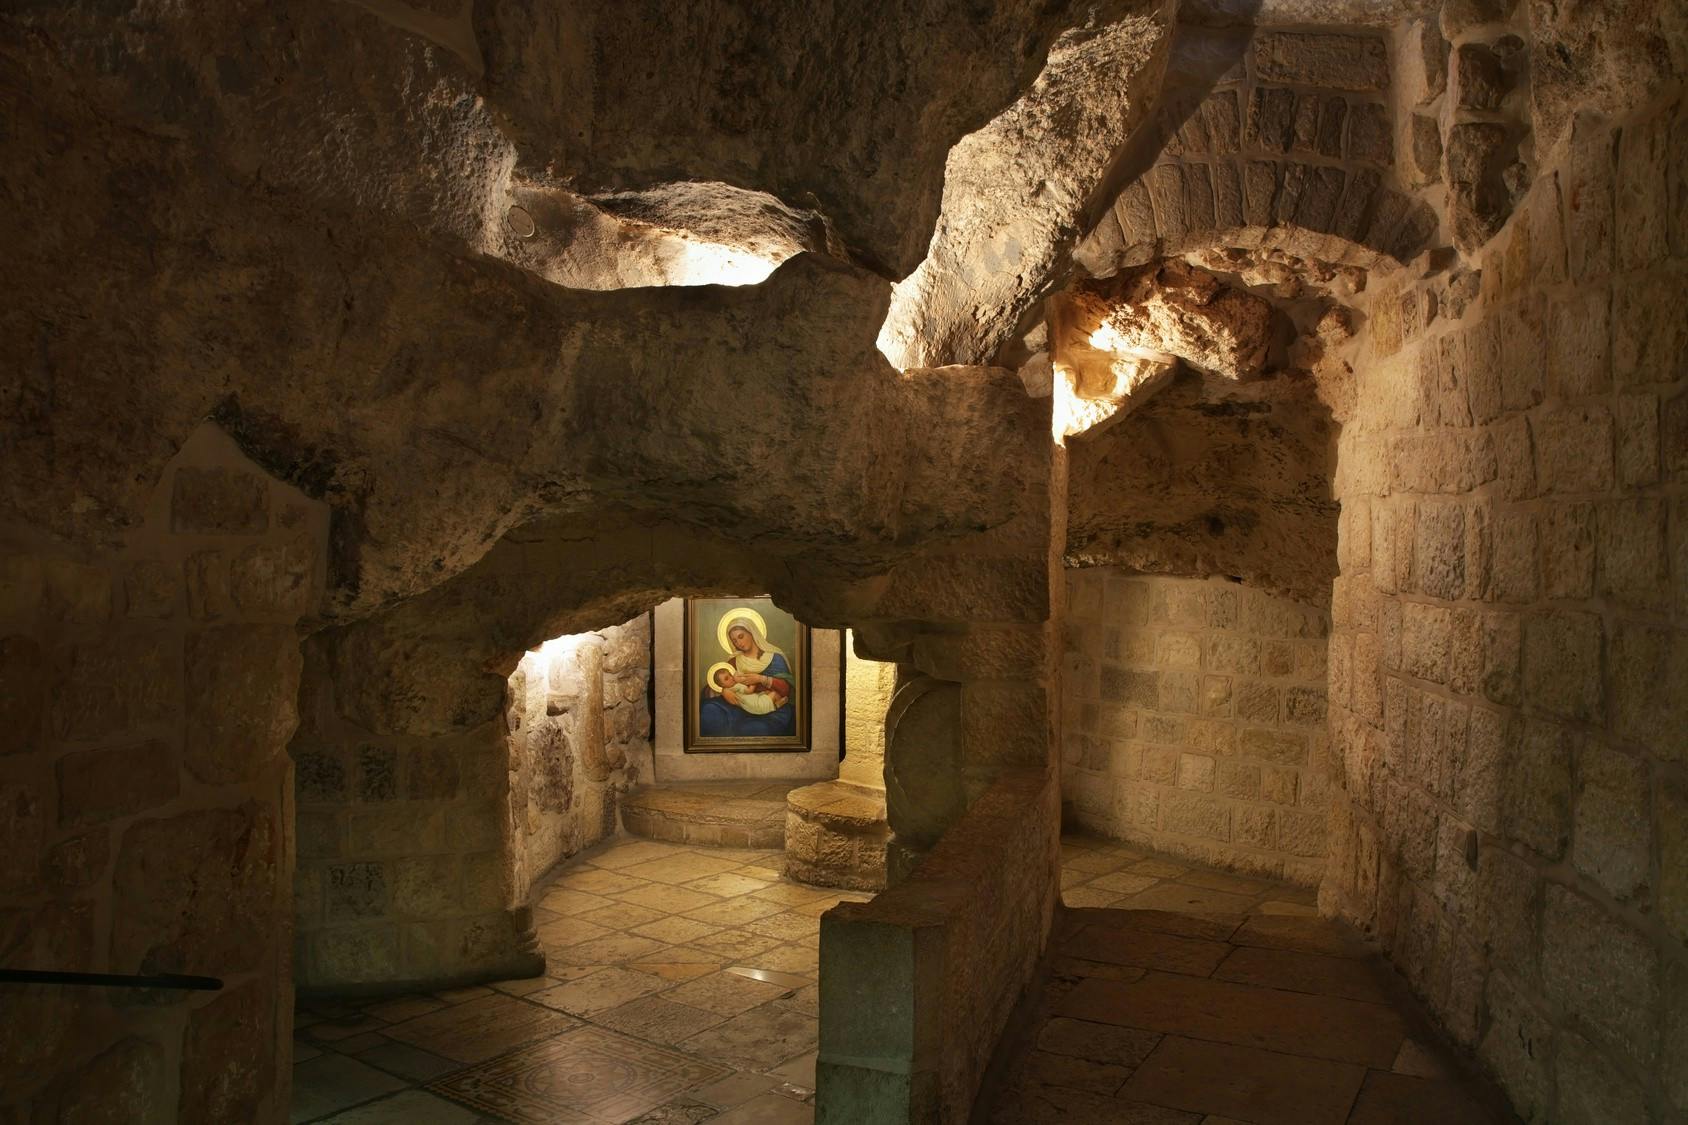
<point x="747" y="684"/>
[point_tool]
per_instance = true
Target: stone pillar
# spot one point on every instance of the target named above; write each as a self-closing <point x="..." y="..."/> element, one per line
<point x="146" y="699"/>
<point x="868" y="687"/>
<point x="836" y="831"/>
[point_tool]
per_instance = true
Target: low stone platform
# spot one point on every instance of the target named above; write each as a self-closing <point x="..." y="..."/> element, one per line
<point x="835" y="836"/>
<point x="720" y="814"/>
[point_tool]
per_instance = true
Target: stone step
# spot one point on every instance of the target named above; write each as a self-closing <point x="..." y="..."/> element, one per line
<point x="720" y="814"/>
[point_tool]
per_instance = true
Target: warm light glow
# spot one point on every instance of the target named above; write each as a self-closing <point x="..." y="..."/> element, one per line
<point x="710" y="263"/>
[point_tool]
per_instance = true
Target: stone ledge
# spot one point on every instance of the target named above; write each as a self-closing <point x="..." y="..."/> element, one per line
<point x="918" y="984"/>
<point x="720" y="814"/>
<point x="835" y="836"/>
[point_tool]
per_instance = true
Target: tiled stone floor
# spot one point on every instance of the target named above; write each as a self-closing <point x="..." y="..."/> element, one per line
<point x="641" y="1016"/>
<point x="1195" y="998"/>
<point x="1184" y="996"/>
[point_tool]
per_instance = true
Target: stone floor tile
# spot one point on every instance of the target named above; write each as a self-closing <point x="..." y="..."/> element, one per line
<point x="1053" y="1105"/>
<point x="1182" y="898"/>
<point x="670" y="900"/>
<point x="1099" y="1042"/>
<point x="734" y="911"/>
<point x="1072" y="1072"/>
<point x="528" y="985"/>
<point x="659" y="1020"/>
<point x="358" y="1044"/>
<point x="589" y="1074"/>
<point x="728" y="884"/>
<point x="1078" y="967"/>
<point x="565" y="932"/>
<point x="622" y="915"/>
<point x="736" y="1089"/>
<point x="786" y="927"/>
<point x="1279" y="906"/>
<point x="1147" y="949"/>
<point x="758" y="1039"/>
<point x="1258" y="1086"/>
<point x="612" y="950"/>
<point x="675" y="929"/>
<point x="768" y="1109"/>
<point x="771" y="976"/>
<point x="1159" y="868"/>
<point x="409" y="1062"/>
<point x="799" y="1071"/>
<point x="1308" y="935"/>
<point x="597" y="881"/>
<point x="1207" y="927"/>
<point x="461" y="995"/>
<point x="1226" y="881"/>
<point x="767" y="871"/>
<point x="481" y="1029"/>
<point x="1420" y="1061"/>
<point x="1123" y="882"/>
<point x="791" y="894"/>
<point x="1071" y="878"/>
<point x="683" y="1111"/>
<point x="1317" y="973"/>
<point x="413" y="1107"/>
<point x="1093" y="861"/>
<point x="333" y="1031"/>
<point x="806" y="1000"/>
<point x="794" y="957"/>
<point x="735" y="945"/>
<point x="1323" y="1027"/>
<point x="681" y="867"/>
<point x="333" y="1082"/>
<point x="303" y="1051"/>
<point x="1400" y="1099"/>
<point x="404" y="1007"/>
<point x="566" y="903"/>
<point x="607" y="988"/>
<point x="679" y="972"/>
<point x="725" y="992"/>
<point x="1090" y="895"/>
<point x="627" y="853"/>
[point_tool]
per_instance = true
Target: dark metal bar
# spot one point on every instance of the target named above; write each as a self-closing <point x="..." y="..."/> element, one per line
<point x="110" y="980"/>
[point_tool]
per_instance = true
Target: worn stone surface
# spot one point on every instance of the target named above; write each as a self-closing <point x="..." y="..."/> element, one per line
<point x="1016" y="191"/>
<point x="195" y="891"/>
<point x="1211" y="478"/>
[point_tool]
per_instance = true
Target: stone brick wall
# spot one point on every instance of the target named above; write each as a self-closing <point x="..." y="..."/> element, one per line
<point x="1291" y="143"/>
<point x="146" y="699"/>
<point x="417" y="850"/>
<point x="1509" y="664"/>
<point x="579" y="735"/>
<point x="1195" y="720"/>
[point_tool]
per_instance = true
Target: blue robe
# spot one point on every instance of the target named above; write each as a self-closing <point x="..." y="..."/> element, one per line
<point x="717" y="718"/>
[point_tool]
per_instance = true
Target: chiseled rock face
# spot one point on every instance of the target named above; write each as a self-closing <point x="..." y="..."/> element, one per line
<point x="845" y="107"/>
<point x="1211" y="478"/>
<point x="1017" y="191"/>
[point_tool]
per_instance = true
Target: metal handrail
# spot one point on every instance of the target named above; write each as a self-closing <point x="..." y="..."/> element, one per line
<point x="110" y="980"/>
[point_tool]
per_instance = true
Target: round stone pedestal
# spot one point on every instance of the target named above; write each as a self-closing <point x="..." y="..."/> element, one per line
<point x="835" y="835"/>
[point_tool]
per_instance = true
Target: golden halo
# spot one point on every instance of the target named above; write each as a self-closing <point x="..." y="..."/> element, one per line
<point x="709" y="676"/>
<point x="733" y="615"/>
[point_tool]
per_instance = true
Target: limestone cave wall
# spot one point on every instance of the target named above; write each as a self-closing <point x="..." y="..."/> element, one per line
<point x="146" y="699"/>
<point x="579" y="735"/>
<point x="1195" y="720"/>
<point x="1509" y="658"/>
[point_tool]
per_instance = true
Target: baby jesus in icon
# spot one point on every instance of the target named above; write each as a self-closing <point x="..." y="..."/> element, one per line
<point x="752" y="698"/>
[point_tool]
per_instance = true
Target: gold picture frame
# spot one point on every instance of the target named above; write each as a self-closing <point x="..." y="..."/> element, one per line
<point x="747" y="682"/>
